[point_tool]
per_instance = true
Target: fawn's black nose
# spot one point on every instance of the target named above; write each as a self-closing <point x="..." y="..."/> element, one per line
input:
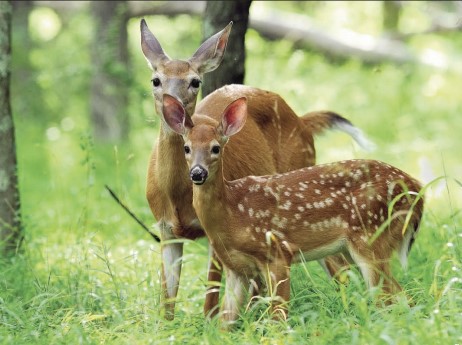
<point x="198" y="174"/>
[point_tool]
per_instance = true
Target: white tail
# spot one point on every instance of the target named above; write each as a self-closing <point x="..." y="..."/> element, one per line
<point x="259" y="225"/>
<point x="281" y="140"/>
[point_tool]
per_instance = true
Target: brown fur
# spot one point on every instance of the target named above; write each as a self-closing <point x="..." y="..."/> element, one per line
<point x="273" y="140"/>
<point x="317" y="122"/>
<point x="260" y="225"/>
<point x="282" y="142"/>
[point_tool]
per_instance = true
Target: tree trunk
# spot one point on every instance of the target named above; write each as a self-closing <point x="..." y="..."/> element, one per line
<point x="217" y="15"/>
<point x="110" y="77"/>
<point x="20" y="20"/>
<point x="10" y="225"/>
<point x="390" y="12"/>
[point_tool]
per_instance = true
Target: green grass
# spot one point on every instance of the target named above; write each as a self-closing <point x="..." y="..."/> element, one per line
<point x="88" y="274"/>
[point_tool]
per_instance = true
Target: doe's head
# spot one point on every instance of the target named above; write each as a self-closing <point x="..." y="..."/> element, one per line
<point x="181" y="78"/>
<point x="204" y="137"/>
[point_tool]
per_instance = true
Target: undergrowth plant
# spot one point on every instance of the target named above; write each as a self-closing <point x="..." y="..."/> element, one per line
<point x="88" y="274"/>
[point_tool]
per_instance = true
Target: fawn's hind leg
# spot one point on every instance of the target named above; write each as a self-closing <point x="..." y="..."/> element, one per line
<point x="334" y="265"/>
<point x="376" y="270"/>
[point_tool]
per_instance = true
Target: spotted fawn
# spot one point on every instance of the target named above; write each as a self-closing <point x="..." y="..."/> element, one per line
<point x="260" y="225"/>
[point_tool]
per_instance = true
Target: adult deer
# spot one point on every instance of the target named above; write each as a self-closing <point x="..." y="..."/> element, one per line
<point x="260" y="225"/>
<point x="284" y="142"/>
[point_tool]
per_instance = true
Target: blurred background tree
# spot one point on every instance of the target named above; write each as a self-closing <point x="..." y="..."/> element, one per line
<point x="216" y="16"/>
<point x="88" y="273"/>
<point x="78" y="77"/>
<point x="10" y="224"/>
<point x="110" y="80"/>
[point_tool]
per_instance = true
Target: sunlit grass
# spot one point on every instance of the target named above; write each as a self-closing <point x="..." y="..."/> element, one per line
<point x="89" y="274"/>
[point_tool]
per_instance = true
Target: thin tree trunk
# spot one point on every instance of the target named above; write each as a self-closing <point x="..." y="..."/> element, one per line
<point x="110" y="77"/>
<point x="391" y="11"/>
<point x="217" y="15"/>
<point x="10" y="225"/>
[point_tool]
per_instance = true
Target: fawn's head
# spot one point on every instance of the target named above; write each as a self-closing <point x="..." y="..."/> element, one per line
<point x="205" y="137"/>
<point x="181" y="78"/>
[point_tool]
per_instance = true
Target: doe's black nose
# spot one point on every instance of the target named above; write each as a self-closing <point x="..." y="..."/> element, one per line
<point x="198" y="174"/>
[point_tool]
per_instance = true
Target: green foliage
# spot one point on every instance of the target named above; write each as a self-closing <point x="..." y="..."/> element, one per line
<point x="88" y="274"/>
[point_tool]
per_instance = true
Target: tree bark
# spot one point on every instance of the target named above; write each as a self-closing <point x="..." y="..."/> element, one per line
<point x="390" y="12"/>
<point x="10" y="225"/>
<point x="217" y="15"/>
<point x="110" y="77"/>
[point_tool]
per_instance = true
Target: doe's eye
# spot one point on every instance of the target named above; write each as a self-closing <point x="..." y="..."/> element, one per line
<point x="155" y="82"/>
<point x="215" y="149"/>
<point x="195" y="83"/>
<point x="187" y="149"/>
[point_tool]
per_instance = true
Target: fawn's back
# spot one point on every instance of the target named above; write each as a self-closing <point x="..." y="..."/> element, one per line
<point x="319" y="210"/>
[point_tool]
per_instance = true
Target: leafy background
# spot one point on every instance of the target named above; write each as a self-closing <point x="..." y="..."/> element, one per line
<point x="89" y="274"/>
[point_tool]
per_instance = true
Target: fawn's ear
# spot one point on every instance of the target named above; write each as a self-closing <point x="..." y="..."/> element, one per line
<point x="233" y="118"/>
<point x="210" y="54"/>
<point x="152" y="50"/>
<point x="175" y="115"/>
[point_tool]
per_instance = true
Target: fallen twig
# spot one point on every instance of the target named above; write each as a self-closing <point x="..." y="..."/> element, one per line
<point x="125" y="207"/>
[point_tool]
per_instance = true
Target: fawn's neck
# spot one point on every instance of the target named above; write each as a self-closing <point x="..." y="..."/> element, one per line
<point x="210" y="201"/>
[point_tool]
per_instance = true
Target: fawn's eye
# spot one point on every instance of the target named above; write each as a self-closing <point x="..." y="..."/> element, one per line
<point x="215" y="149"/>
<point x="195" y="83"/>
<point x="187" y="149"/>
<point x="155" y="82"/>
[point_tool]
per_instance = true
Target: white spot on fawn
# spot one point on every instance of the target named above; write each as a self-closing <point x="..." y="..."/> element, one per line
<point x="240" y="207"/>
<point x="300" y="195"/>
<point x="286" y="205"/>
<point x="254" y="188"/>
<point x="269" y="190"/>
<point x="279" y="222"/>
<point x="329" y="202"/>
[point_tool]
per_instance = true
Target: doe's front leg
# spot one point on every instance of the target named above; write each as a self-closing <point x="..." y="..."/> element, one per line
<point x="172" y="254"/>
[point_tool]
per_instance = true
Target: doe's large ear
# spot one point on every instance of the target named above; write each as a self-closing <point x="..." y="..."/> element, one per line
<point x="175" y="115"/>
<point x="151" y="47"/>
<point x="233" y="118"/>
<point x="210" y="54"/>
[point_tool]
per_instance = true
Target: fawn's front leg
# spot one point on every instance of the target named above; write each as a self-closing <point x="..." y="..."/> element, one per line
<point x="172" y="254"/>
<point x="213" y="285"/>
<point x="234" y="297"/>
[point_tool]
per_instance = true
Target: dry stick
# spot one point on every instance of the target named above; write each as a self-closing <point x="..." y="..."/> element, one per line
<point x="125" y="207"/>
